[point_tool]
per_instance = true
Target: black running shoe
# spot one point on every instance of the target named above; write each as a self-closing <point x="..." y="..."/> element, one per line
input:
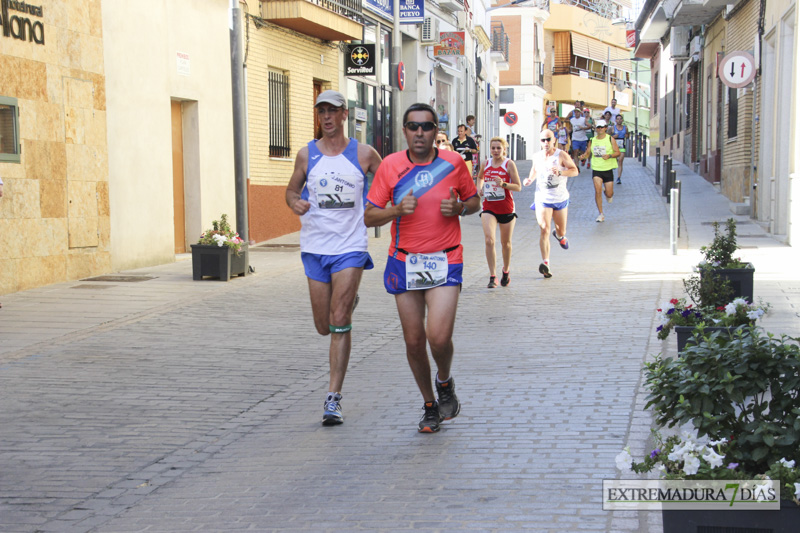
<point x="545" y="271"/>
<point x="429" y="423"/>
<point x="449" y="407"/>
<point x="505" y="280"/>
<point x="492" y="282"/>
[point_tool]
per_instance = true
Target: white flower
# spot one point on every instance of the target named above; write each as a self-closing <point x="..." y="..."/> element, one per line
<point x="723" y="440"/>
<point x="219" y="238"/>
<point x="713" y="458"/>
<point x="624" y="460"/>
<point x="797" y="490"/>
<point x="666" y="306"/>
<point x="730" y="309"/>
<point x="691" y="465"/>
<point x="787" y="464"/>
<point x="739" y="301"/>
<point x="755" y="314"/>
<point x="661" y="468"/>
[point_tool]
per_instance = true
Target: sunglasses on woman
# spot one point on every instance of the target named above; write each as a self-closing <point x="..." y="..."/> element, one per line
<point x="414" y="126"/>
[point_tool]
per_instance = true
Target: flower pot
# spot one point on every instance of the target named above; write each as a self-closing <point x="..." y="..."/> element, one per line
<point x="684" y="333"/>
<point x="742" y="521"/>
<point x="741" y="280"/>
<point x="219" y="262"/>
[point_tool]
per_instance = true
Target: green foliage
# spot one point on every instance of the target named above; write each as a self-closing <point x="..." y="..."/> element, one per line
<point x="745" y="388"/>
<point x="221" y="234"/>
<point x="677" y="312"/>
<point x="719" y="253"/>
<point x="706" y="288"/>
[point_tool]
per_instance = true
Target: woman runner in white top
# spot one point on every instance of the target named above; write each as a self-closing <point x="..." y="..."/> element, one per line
<point x="550" y="170"/>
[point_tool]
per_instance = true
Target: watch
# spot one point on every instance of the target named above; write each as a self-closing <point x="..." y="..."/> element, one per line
<point x="464" y="209"/>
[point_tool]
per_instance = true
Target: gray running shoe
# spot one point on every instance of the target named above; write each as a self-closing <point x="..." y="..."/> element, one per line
<point x="449" y="406"/>
<point x="429" y="423"/>
<point x="545" y="271"/>
<point x="332" y="414"/>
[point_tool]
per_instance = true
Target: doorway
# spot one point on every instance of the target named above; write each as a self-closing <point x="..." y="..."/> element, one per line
<point x="178" y="188"/>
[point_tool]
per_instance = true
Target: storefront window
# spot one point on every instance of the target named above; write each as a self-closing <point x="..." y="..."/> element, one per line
<point x="9" y="130"/>
<point x="443" y="104"/>
<point x="386" y="54"/>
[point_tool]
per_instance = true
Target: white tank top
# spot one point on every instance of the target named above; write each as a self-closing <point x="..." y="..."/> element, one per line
<point x="550" y="188"/>
<point x="336" y="188"/>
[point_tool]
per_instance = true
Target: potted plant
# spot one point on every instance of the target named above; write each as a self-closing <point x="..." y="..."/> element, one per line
<point x="742" y="397"/>
<point x="686" y="319"/>
<point x="720" y="276"/>
<point x="220" y="253"/>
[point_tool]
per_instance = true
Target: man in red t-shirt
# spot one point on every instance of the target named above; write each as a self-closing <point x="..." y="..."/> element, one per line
<point x="422" y="191"/>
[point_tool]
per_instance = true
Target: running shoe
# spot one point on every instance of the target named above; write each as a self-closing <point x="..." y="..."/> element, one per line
<point x="545" y="270"/>
<point x="332" y="414"/>
<point x="619" y="181"/>
<point x="505" y="280"/>
<point x="449" y="406"/>
<point x="429" y="423"/>
<point x="492" y="282"/>
<point x="610" y="198"/>
<point x="563" y="242"/>
<point x="600" y="218"/>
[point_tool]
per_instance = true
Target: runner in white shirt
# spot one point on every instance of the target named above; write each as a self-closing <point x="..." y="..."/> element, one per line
<point x="550" y="170"/>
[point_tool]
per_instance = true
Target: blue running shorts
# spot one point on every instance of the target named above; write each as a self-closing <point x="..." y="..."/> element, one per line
<point x="555" y="207"/>
<point x="320" y="267"/>
<point x="580" y="145"/>
<point x="394" y="277"/>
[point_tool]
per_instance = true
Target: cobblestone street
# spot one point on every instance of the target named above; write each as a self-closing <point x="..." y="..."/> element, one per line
<point x="170" y="405"/>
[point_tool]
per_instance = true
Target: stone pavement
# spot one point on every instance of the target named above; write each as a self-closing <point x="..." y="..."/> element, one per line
<point x="172" y="405"/>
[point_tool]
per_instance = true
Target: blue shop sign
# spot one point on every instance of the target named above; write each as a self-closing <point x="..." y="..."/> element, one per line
<point x="383" y="8"/>
<point x="412" y="11"/>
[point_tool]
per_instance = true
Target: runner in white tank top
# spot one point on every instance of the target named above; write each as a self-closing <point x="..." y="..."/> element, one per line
<point x="551" y="168"/>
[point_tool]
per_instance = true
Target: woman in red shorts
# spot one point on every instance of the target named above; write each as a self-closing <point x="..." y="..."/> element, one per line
<point x="497" y="179"/>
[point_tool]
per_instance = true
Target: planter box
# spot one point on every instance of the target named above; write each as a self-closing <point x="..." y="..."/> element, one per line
<point x="219" y="262"/>
<point x="784" y="521"/>
<point x="684" y="333"/>
<point x="741" y="280"/>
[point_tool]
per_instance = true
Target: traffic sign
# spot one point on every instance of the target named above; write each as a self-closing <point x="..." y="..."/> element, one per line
<point x="737" y="69"/>
<point x="401" y="76"/>
<point x="510" y="118"/>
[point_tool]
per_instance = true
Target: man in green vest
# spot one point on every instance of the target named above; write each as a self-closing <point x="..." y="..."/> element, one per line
<point x="604" y="151"/>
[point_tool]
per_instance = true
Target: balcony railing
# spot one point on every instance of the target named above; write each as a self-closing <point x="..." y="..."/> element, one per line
<point x="575" y="71"/>
<point x="605" y="9"/>
<point x="538" y="73"/>
<point x="350" y="9"/>
<point x="500" y="40"/>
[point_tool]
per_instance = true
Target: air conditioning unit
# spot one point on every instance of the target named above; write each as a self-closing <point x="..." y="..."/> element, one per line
<point x="696" y="46"/>
<point x="679" y="42"/>
<point x="429" y="32"/>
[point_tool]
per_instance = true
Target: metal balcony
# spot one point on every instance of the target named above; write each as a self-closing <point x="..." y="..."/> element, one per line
<point x="500" y="44"/>
<point x="329" y="20"/>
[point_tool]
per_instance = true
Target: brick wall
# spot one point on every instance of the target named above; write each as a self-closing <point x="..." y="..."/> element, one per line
<point x="736" y="155"/>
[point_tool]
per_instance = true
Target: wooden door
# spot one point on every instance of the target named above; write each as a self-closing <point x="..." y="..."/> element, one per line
<point x="177" y="178"/>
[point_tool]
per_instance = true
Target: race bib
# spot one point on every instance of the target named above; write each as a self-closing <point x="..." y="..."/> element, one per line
<point x="492" y="192"/>
<point x="425" y="271"/>
<point x="336" y="192"/>
<point x="598" y="151"/>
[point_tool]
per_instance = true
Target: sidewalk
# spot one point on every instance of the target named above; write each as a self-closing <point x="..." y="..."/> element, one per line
<point x="172" y="405"/>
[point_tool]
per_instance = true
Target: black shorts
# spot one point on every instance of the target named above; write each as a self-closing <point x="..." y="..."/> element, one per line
<point x="606" y="175"/>
<point x="501" y="219"/>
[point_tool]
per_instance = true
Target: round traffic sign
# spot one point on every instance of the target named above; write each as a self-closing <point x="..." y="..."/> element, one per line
<point x="401" y="76"/>
<point x="737" y="69"/>
<point x="510" y="118"/>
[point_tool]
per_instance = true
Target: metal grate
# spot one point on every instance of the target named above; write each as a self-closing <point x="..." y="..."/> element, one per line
<point x="120" y="278"/>
<point x="279" y="115"/>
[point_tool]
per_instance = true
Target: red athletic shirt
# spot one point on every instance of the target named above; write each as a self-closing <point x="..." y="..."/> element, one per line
<point x="426" y="230"/>
<point x="506" y="205"/>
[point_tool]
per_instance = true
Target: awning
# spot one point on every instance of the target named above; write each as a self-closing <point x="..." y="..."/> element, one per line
<point x="656" y="26"/>
<point x="590" y="48"/>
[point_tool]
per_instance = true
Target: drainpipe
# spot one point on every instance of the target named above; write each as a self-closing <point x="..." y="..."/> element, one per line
<point x="239" y="122"/>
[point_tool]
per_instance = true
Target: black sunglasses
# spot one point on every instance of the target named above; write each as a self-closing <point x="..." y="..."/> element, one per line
<point x="414" y="126"/>
<point x="601" y="126"/>
<point x="546" y="139"/>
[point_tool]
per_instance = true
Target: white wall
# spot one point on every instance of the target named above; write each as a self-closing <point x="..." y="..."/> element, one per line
<point x="141" y="41"/>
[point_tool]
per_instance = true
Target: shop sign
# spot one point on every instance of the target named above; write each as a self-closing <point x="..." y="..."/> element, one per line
<point x="383" y="8"/>
<point x="20" y="26"/>
<point x="451" y="43"/>
<point x="412" y="11"/>
<point x="359" y="60"/>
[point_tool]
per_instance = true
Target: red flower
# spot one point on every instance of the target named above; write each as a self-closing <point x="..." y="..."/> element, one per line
<point x="674" y="301"/>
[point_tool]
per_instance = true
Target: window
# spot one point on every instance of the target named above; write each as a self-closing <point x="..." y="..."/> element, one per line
<point x="733" y="112"/>
<point x="657" y="94"/>
<point x="9" y="130"/>
<point x="279" y="114"/>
